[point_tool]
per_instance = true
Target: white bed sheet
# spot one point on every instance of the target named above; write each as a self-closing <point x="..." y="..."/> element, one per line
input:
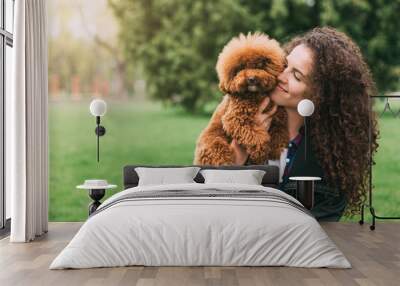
<point x="200" y="231"/>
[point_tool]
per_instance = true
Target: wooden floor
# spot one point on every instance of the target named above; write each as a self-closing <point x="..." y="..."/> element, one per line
<point x="374" y="255"/>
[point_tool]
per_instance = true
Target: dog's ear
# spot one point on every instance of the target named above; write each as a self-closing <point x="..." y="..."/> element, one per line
<point x="222" y="87"/>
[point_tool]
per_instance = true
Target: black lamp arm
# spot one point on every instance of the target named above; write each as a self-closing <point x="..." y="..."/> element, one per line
<point x="305" y="138"/>
<point x="100" y="131"/>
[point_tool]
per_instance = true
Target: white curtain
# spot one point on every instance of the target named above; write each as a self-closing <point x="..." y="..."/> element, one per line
<point x="26" y="124"/>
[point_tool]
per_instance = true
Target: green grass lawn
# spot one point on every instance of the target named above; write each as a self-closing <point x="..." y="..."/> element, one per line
<point x="147" y="133"/>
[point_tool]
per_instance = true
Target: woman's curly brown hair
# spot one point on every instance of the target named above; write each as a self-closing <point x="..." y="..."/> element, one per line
<point x="341" y="86"/>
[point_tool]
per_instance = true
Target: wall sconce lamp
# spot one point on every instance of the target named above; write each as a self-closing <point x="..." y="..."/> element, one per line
<point x="305" y="108"/>
<point x="98" y="107"/>
<point x="305" y="184"/>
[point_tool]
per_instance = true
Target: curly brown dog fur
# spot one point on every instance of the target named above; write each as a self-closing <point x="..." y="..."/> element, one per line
<point x="247" y="68"/>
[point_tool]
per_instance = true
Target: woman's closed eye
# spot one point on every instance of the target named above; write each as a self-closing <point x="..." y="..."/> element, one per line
<point x="296" y="76"/>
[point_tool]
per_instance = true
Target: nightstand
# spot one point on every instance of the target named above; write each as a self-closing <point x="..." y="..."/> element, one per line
<point x="305" y="190"/>
<point x="97" y="190"/>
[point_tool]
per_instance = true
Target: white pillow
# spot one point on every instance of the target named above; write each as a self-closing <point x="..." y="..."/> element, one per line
<point x="248" y="177"/>
<point x="162" y="176"/>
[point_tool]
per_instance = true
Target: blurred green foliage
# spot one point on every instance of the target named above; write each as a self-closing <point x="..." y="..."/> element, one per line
<point x="176" y="42"/>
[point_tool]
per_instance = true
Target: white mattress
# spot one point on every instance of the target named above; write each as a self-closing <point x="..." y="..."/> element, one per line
<point x="200" y="231"/>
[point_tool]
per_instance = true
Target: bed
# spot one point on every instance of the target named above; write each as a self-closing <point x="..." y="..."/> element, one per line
<point x="201" y="224"/>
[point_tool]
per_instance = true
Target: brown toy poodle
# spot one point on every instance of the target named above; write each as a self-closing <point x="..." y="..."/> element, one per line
<point x="247" y="68"/>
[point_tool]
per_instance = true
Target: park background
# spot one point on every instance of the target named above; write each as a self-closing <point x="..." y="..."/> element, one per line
<point x="153" y="62"/>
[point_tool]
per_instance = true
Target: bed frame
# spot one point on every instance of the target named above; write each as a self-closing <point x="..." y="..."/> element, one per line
<point x="270" y="179"/>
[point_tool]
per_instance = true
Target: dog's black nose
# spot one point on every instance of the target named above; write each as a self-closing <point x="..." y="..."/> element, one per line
<point x="251" y="80"/>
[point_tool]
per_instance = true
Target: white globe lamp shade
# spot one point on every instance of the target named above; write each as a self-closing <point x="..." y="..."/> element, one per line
<point x="305" y="107"/>
<point x="98" y="107"/>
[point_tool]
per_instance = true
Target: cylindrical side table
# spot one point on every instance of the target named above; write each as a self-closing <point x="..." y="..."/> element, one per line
<point x="305" y="190"/>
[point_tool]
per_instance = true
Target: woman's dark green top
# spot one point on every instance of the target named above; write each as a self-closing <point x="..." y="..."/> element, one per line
<point x="329" y="203"/>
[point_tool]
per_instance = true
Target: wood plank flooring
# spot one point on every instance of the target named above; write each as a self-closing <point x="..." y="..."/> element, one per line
<point x="374" y="255"/>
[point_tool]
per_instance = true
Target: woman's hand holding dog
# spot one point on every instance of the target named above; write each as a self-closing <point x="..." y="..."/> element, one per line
<point x="240" y="153"/>
<point x="263" y="119"/>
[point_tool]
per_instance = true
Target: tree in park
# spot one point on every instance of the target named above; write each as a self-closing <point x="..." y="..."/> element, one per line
<point x="176" y="42"/>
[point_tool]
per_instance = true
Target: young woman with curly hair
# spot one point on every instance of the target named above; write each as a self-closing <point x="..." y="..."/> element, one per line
<point x="327" y="67"/>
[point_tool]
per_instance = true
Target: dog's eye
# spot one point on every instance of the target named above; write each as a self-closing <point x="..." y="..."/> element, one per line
<point x="262" y="63"/>
<point x="238" y="69"/>
<point x="285" y="63"/>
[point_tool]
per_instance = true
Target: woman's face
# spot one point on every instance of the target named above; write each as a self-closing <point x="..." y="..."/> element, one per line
<point x="293" y="82"/>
